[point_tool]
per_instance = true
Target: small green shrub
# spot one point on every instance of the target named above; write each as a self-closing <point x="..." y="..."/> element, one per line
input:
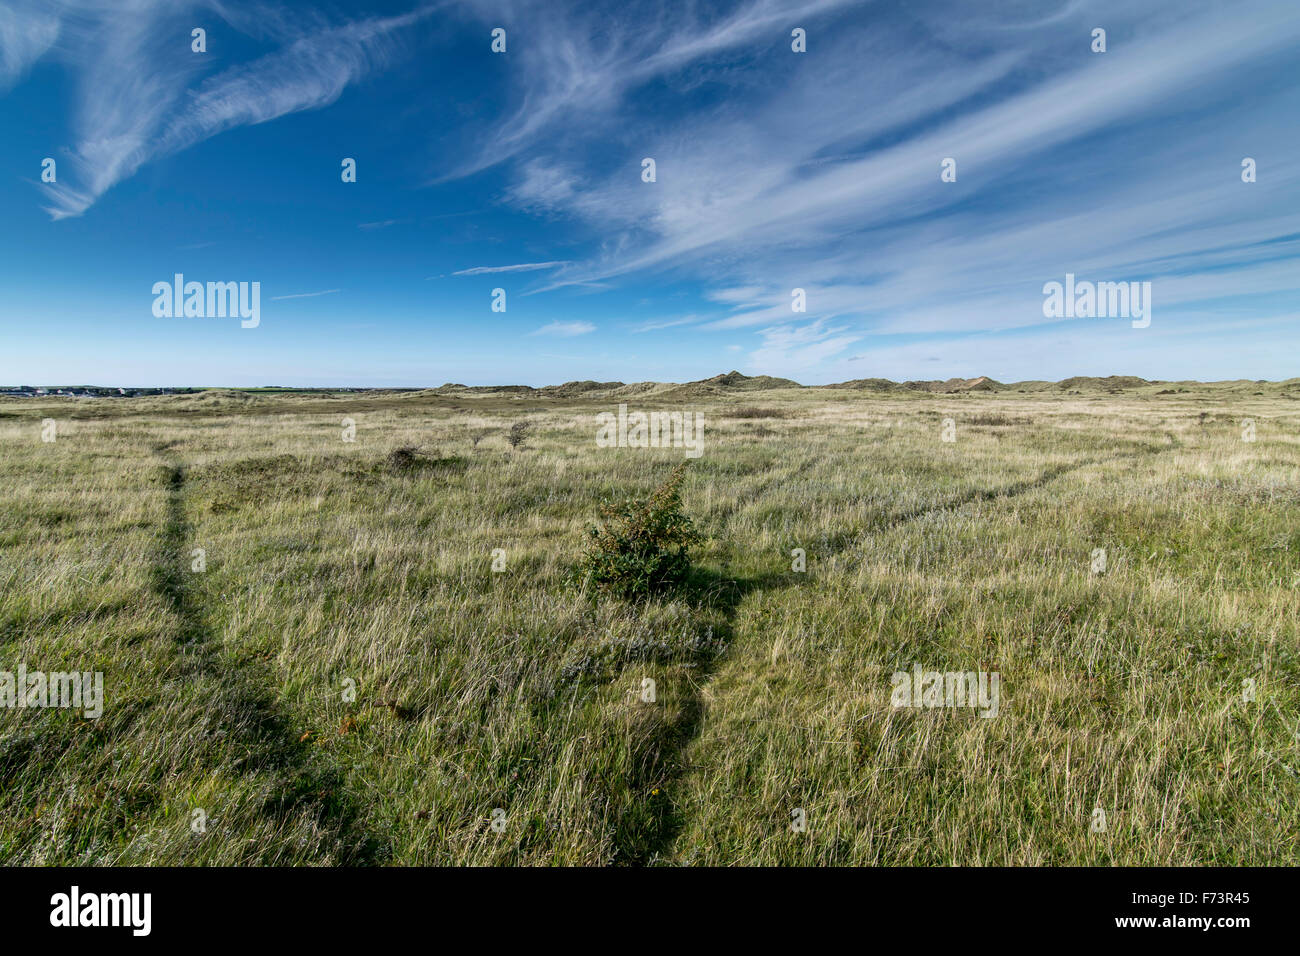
<point x="641" y="547"/>
<point x="519" y="433"/>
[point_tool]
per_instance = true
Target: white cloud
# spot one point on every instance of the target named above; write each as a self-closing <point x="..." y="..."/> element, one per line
<point x="25" y="36"/>
<point x="581" y="66"/>
<point x="655" y="325"/>
<point x="1120" y="166"/>
<point x="139" y="95"/>
<point x="521" y="267"/>
<point x="303" y="295"/>
<point x="565" y="329"/>
<point x="794" y="348"/>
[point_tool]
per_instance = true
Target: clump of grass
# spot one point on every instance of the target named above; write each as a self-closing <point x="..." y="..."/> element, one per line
<point x="407" y="459"/>
<point x="751" y="411"/>
<point x="641" y="547"/>
<point x="404" y="458"/>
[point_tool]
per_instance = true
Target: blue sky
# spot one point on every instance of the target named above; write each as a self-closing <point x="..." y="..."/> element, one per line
<point x="522" y="170"/>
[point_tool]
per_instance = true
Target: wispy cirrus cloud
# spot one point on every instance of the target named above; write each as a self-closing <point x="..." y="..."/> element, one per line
<point x="796" y="347"/>
<point x="26" y="34"/>
<point x="520" y="267"/>
<point x="804" y="171"/>
<point x="141" y="92"/>
<point x="304" y="295"/>
<point x="565" y="329"/>
<point x="654" y="325"/>
<point x="579" y="63"/>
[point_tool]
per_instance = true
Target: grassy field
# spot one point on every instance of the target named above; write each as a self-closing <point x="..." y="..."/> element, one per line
<point x="498" y="716"/>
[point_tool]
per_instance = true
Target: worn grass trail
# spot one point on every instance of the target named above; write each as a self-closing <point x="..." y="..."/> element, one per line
<point x="185" y="727"/>
<point x="242" y="711"/>
<point x="1121" y="691"/>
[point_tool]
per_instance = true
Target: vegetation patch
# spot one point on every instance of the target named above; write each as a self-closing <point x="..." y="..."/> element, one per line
<point x="641" y="547"/>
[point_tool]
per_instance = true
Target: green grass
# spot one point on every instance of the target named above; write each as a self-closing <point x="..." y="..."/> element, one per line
<point x="331" y="562"/>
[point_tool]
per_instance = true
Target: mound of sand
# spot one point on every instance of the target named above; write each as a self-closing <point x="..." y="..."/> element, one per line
<point x="731" y="382"/>
<point x="866" y="384"/>
<point x="573" y="389"/>
<point x="981" y="383"/>
<point x="1110" y="382"/>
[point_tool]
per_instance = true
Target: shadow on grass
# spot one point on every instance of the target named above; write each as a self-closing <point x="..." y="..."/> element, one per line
<point x="648" y="830"/>
<point x="240" y="713"/>
<point x="1048" y="475"/>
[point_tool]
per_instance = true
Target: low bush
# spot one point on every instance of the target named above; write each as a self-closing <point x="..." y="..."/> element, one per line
<point x="641" y="547"/>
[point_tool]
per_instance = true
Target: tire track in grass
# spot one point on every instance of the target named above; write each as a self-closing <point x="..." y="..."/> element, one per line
<point x="650" y="838"/>
<point x="643" y="832"/>
<point x="724" y="596"/>
<point x="242" y="723"/>
<point x="1014" y="490"/>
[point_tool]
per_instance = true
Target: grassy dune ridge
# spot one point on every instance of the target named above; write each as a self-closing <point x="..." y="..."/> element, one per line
<point x="329" y="562"/>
